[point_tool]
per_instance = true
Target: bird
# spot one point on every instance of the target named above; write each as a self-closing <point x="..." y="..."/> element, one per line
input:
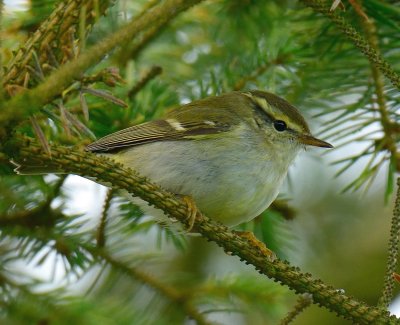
<point x="229" y="154"/>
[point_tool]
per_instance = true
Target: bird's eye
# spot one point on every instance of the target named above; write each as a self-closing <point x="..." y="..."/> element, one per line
<point x="280" y="125"/>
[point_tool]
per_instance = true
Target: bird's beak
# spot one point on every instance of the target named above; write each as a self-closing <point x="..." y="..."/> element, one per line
<point x="309" y="140"/>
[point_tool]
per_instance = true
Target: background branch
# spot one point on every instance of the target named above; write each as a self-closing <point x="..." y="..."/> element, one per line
<point x="32" y="101"/>
<point x="181" y="300"/>
<point x="366" y="48"/>
<point x="48" y="36"/>
<point x="149" y="75"/>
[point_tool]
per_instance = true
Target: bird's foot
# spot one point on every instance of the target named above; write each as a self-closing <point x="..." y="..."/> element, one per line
<point x="254" y="241"/>
<point x="192" y="211"/>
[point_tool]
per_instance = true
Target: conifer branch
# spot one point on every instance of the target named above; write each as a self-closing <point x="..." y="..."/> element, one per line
<point x="109" y="172"/>
<point x="389" y="141"/>
<point x="28" y="102"/>
<point x="66" y="246"/>
<point x="364" y="46"/>
<point x="393" y="250"/>
<point x="52" y="30"/>
<point x="178" y="298"/>
<point x="42" y="215"/>
<point x="132" y="50"/>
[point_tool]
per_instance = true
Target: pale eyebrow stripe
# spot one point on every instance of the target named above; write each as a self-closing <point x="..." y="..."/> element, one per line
<point x="259" y="103"/>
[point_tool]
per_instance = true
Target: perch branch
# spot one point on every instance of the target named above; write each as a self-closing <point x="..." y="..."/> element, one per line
<point x="108" y="172"/>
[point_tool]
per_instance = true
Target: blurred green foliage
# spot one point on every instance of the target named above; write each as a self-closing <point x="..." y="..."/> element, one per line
<point x="215" y="47"/>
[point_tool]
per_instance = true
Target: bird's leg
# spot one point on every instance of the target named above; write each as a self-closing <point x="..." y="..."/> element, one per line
<point x="254" y="241"/>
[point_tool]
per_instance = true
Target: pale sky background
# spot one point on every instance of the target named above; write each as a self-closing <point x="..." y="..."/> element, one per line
<point x="14" y="5"/>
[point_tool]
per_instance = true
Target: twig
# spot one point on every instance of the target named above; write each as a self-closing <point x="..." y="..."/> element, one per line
<point x="302" y="303"/>
<point x="151" y="74"/>
<point x="132" y="50"/>
<point x="108" y="172"/>
<point x="180" y="299"/>
<point x="100" y="237"/>
<point x="42" y="215"/>
<point x="393" y="250"/>
<point x="358" y="8"/>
